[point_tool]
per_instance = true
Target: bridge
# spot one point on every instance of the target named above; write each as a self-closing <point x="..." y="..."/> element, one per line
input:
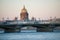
<point x="15" y="26"/>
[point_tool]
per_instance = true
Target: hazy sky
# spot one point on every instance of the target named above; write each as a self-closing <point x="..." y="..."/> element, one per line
<point x="42" y="9"/>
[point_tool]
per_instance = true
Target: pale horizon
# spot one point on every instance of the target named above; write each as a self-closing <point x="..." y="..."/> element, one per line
<point x="43" y="9"/>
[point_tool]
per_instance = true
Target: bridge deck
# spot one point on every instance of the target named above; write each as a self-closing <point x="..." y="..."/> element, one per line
<point x="28" y="23"/>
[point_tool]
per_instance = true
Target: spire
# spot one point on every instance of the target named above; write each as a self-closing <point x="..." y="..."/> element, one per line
<point x="24" y="7"/>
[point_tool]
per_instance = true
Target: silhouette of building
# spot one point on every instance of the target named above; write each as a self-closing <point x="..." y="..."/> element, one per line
<point x="33" y="19"/>
<point x="16" y="18"/>
<point x="24" y="14"/>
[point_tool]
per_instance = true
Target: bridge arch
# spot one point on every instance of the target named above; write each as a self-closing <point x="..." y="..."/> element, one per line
<point x="28" y="29"/>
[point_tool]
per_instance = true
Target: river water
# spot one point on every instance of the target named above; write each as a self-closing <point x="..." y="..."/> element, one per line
<point x="30" y="35"/>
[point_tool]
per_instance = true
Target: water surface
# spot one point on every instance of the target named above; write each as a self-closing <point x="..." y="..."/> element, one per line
<point x="30" y="36"/>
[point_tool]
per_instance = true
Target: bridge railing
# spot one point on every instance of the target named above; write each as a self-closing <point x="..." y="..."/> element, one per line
<point x="28" y="22"/>
<point x="21" y="22"/>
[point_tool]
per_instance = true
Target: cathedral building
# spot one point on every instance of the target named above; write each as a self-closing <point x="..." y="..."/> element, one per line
<point x="24" y="14"/>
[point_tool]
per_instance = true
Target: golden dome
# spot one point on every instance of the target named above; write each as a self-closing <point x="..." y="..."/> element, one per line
<point x="23" y="10"/>
<point x="24" y="14"/>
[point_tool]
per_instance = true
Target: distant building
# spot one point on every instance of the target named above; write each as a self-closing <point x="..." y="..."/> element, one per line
<point x="58" y="20"/>
<point x="24" y="14"/>
<point x="33" y="19"/>
<point x="16" y="18"/>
